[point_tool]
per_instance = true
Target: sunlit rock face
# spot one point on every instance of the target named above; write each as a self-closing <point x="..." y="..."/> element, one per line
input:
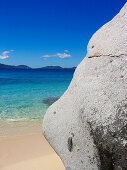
<point x="87" y="126"/>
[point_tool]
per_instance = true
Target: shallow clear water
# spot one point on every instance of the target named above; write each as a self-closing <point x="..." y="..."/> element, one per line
<point x="22" y="92"/>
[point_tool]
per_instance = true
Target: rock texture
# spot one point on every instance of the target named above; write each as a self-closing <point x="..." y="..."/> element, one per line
<point x="89" y="127"/>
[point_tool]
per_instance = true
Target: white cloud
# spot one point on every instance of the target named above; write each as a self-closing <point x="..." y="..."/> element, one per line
<point x="63" y="55"/>
<point x="5" y="55"/>
<point x="60" y="55"/>
<point x="48" y="56"/>
<point x="45" y="59"/>
<point x="66" y="51"/>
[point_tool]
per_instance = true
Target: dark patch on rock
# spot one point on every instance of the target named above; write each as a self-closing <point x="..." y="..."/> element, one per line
<point x="72" y="134"/>
<point x="111" y="60"/>
<point x="111" y="141"/>
<point x="121" y="76"/>
<point x="78" y="150"/>
<point x="70" y="144"/>
<point x="50" y="100"/>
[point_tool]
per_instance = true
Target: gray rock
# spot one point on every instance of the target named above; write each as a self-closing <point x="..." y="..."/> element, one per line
<point x="92" y="113"/>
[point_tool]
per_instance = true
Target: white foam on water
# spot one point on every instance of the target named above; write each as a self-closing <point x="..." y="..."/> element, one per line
<point x="16" y="120"/>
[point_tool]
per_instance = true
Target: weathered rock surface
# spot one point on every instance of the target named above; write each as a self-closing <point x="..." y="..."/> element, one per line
<point x="89" y="127"/>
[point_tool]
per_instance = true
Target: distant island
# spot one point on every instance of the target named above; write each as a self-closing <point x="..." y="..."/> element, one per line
<point x="4" y="66"/>
<point x="56" y="67"/>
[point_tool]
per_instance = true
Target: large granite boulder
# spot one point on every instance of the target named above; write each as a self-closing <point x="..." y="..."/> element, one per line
<point x="87" y="126"/>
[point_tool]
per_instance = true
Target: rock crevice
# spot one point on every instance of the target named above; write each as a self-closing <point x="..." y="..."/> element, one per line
<point x="110" y="55"/>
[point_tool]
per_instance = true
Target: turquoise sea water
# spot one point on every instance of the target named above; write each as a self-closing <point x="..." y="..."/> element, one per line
<point x="22" y="92"/>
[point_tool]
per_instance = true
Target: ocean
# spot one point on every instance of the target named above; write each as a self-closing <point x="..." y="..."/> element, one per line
<point x="22" y="92"/>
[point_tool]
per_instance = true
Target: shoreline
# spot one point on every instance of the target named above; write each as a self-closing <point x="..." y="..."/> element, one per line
<point x="25" y="147"/>
<point x="17" y="128"/>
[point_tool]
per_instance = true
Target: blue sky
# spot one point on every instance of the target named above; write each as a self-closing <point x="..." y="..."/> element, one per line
<point x="51" y="32"/>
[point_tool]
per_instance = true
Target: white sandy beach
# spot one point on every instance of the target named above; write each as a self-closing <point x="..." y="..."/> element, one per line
<point x="28" y="150"/>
